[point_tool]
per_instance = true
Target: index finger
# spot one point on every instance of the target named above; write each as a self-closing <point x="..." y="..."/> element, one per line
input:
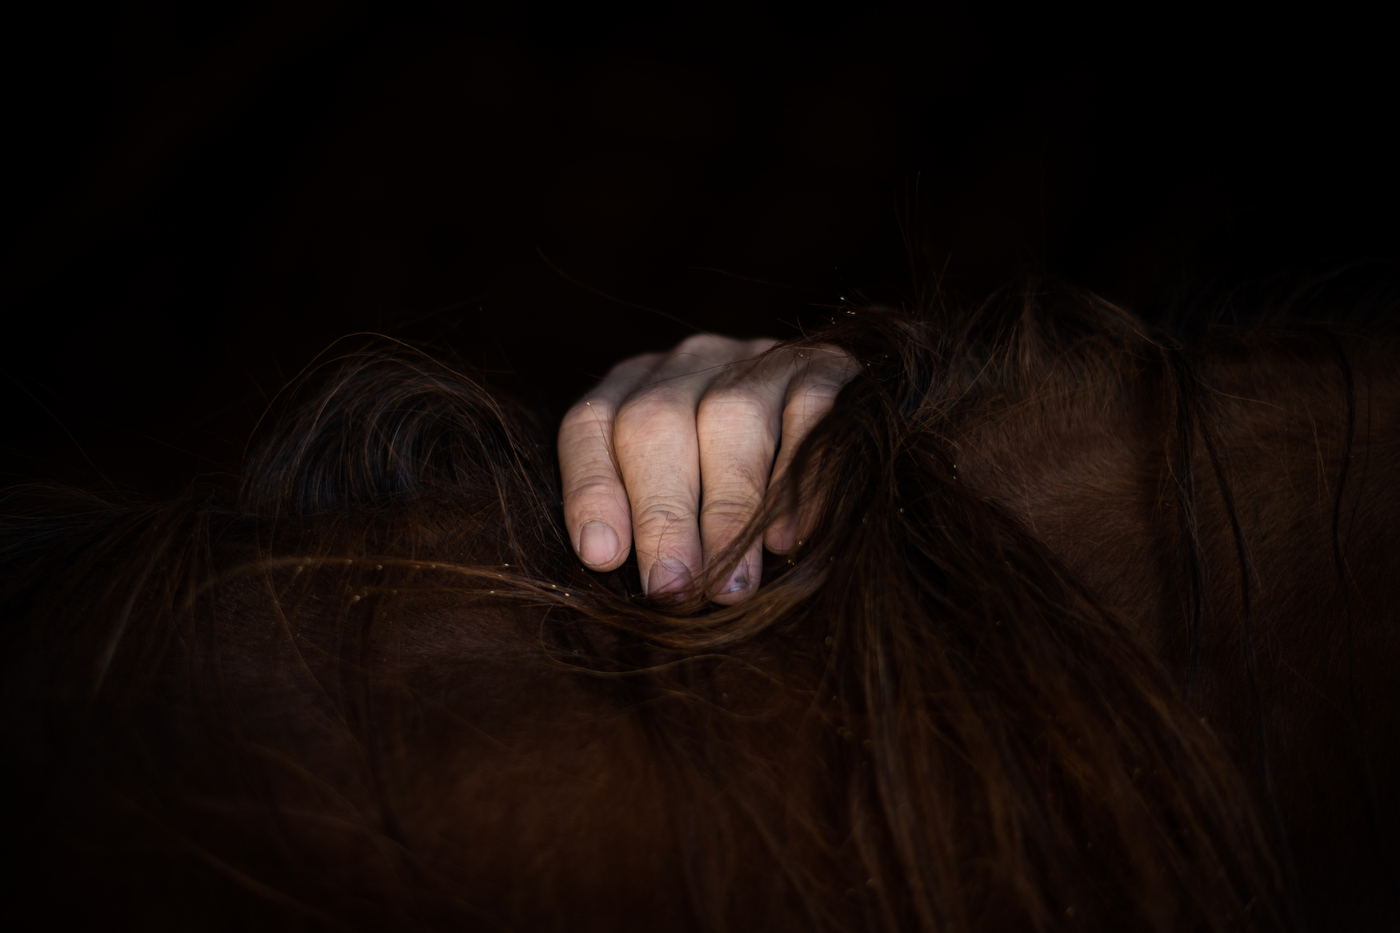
<point x="596" y="509"/>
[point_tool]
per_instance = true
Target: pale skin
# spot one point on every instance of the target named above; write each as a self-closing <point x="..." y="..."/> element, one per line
<point x="673" y="452"/>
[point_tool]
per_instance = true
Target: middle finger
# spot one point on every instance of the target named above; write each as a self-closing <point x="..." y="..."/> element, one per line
<point x="738" y="425"/>
<point x="659" y="458"/>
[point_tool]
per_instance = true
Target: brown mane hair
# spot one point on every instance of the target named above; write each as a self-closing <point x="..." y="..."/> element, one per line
<point x="1022" y="673"/>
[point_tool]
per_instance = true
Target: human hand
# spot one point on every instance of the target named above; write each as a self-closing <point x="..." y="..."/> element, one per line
<point x="674" y="452"/>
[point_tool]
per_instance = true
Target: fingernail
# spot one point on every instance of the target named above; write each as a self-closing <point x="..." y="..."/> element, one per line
<point x="597" y="543"/>
<point x="739" y="581"/>
<point x="667" y="576"/>
<point x="782" y="534"/>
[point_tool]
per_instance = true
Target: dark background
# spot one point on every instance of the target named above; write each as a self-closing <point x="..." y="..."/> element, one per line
<point x="201" y="197"/>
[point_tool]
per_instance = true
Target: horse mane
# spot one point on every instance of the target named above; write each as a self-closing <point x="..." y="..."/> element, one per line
<point x="999" y="685"/>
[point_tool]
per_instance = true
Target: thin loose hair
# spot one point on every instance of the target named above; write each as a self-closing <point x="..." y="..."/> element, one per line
<point x="372" y="687"/>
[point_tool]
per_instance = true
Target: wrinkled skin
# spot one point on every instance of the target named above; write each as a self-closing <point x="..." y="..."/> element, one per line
<point x="672" y="454"/>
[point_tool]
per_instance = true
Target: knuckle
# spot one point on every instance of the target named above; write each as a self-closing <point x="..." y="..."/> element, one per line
<point x="760" y="372"/>
<point x="705" y="345"/>
<point x="741" y="480"/>
<point x="586" y="415"/>
<point x="593" y="486"/>
<point x="733" y="404"/>
<point x="739" y="489"/>
<point x="824" y="361"/>
<point x="657" y="518"/>
<point x="817" y="390"/>
<point x="812" y="399"/>
<point x="735" y="509"/>
<point x="651" y="416"/>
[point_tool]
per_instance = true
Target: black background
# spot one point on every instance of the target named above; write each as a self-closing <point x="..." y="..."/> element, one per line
<point x="200" y="197"/>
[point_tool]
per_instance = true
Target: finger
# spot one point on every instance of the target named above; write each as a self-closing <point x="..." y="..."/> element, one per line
<point x="658" y="456"/>
<point x="596" y="510"/>
<point x="810" y="397"/>
<point x="738" y="426"/>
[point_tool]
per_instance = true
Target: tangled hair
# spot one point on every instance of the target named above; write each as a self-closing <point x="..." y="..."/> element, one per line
<point x="998" y="686"/>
